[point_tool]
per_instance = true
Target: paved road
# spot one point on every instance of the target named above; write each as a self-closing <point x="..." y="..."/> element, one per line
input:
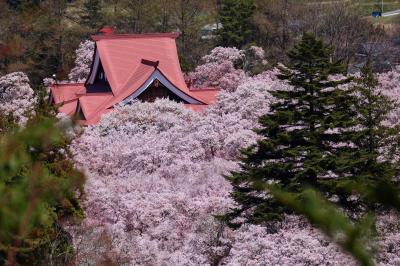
<point x="327" y="2"/>
<point x="391" y="13"/>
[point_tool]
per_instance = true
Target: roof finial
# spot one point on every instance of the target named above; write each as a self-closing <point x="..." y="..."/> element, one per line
<point x="150" y="63"/>
<point x="106" y="30"/>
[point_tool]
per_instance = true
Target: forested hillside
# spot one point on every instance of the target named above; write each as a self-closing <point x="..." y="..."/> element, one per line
<point x="40" y="37"/>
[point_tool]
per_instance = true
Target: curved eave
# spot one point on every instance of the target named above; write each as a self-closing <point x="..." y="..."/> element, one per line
<point x="158" y="75"/>
<point x="173" y="35"/>
<point x="66" y="92"/>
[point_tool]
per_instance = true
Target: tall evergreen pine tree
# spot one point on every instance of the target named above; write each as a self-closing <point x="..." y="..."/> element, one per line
<point x="235" y="17"/>
<point x="92" y="16"/>
<point x="377" y="141"/>
<point x="305" y="135"/>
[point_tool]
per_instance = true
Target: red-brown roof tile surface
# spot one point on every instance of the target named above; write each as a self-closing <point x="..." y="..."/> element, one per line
<point x="124" y="58"/>
<point x="66" y="92"/>
<point x="68" y="107"/>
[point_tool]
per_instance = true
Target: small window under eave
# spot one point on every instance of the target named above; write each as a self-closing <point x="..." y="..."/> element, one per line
<point x="157" y="90"/>
<point x="51" y="99"/>
<point x="79" y="115"/>
<point x="97" y="81"/>
<point x="158" y="86"/>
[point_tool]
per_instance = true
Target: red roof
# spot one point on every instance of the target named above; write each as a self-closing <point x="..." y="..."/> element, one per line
<point x="129" y="60"/>
<point x="90" y="102"/>
<point x="196" y="107"/>
<point x="173" y="35"/>
<point x="106" y="30"/>
<point x="121" y="56"/>
<point x="206" y="95"/>
<point x="69" y="107"/>
<point x="66" y="92"/>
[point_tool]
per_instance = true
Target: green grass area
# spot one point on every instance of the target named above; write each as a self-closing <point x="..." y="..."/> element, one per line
<point x="367" y="6"/>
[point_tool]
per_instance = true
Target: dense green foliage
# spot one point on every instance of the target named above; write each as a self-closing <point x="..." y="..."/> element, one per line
<point x="235" y="17"/>
<point x="36" y="39"/>
<point x="92" y="16"/>
<point x="38" y="191"/>
<point x="7" y="123"/>
<point x="373" y="161"/>
<point x="297" y="150"/>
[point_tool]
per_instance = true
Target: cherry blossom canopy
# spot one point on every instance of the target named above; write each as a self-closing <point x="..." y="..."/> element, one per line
<point x="124" y="67"/>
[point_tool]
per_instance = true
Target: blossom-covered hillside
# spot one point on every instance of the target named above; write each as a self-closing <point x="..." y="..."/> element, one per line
<point x="200" y="132"/>
<point x="156" y="180"/>
<point x="155" y="175"/>
<point x="155" y="184"/>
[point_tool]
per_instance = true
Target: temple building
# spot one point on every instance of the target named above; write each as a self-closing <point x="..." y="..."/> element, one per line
<point x="127" y="67"/>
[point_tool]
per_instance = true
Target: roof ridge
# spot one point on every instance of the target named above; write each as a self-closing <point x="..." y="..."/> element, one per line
<point x="204" y="89"/>
<point x="173" y="35"/>
<point x="138" y="69"/>
<point x="67" y="84"/>
<point x="83" y="101"/>
<point x="94" y="94"/>
<point x="69" y="101"/>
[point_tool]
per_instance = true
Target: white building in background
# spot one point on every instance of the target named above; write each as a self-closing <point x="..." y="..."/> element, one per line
<point x="208" y="32"/>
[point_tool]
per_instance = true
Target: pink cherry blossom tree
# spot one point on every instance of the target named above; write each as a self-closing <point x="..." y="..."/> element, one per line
<point x="390" y="86"/>
<point x="291" y="242"/>
<point x="155" y="183"/>
<point x="83" y="61"/>
<point x="226" y="67"/>
<point x="155" y="176"/>
<point x="17" y="97"/>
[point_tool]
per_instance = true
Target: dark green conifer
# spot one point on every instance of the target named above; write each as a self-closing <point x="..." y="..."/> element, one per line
<point x="303" y="134"/>
<point x="235" y="17"/>
<point x="92" y="16"/>
<point x="376" y="140"/>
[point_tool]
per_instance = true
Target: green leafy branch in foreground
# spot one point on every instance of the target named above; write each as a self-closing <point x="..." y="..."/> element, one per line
<point x="38" y="185"/>
<point x="325" y="216"/>
<point x="353" y="237"/>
